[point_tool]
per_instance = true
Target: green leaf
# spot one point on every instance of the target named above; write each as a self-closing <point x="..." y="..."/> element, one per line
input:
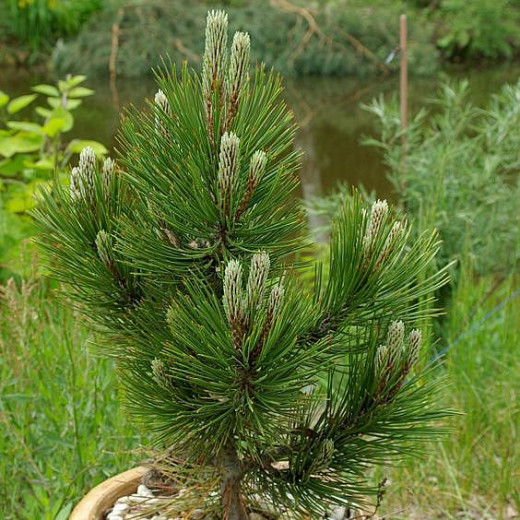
<point x="27" y="142"/>
<point x="63" y="86"/>
<point x="6" y="146"/>
<point x="20" y="103"/>
<point x="54" y="125"/>
<point x="70" y="103"/>
<point x="76" y="80"/>
<point x="25" y="126"/>
<point x="4" y="98"/>
<point x="44" y="112"/>
<point x="73" y="103"/>
<point x="54" y="103"/>
<point x="12" y="167"/>
<point x="46" y="163"/>
<point x="20" y="143"/>
<point x="80" y="92"/>
<point x="76" y="145"/>
<point x="24" y="200"/>
<point x="65" y="512"/>
<point x="48" y="90"/>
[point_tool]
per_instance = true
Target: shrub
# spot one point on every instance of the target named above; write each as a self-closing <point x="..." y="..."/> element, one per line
<point x="39" y="23"/>
<point x="31" y="152"/>
<point x="335" y="39"/>
<point x="268" y="397"/>
<point x="460" y="173"/>
<point x="478" y="29"/>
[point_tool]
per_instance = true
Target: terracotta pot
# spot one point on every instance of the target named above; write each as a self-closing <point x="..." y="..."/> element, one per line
<point x="104" y="496"/>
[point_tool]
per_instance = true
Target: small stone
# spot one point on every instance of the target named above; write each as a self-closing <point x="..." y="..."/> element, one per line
<point x="137" y="499"/>
<point x="123" y="500"/>
<point x="111" y="516"/>
<point x="338" y="513"/>
<point x="144" y="491"/>
<point x="120" y="507"/>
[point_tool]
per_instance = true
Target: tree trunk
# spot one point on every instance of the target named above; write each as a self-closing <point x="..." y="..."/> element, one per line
<point x="232" y="472"/>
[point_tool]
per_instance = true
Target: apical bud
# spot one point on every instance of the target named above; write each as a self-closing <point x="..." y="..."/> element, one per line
<point x="415" y="341"/>
<point x="162" y="103"/>
<point x="258" y="274"/>
<point x="232" y="298"/>
<point x="215" y="52"/>
<point x="377" y="216"/>
<point x="104" y="247"/>
<point x="276" y="299"/>
<point x="395" y="337"/>
<point x="75" y="184"/>
<point x="238" y="73"/>
<point x="228" y="168"/>
<point x="108" y="172"/>
<point x="160" y="373"/>
<point x="87" y="164"/>
<point x="257" y="167"/>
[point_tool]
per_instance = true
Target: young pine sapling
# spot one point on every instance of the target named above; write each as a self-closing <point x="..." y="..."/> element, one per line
<point x="272" y="398"/>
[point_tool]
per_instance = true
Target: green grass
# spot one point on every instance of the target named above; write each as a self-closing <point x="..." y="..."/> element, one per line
<point x="62" y="426"/>
<point x="475" y="471"/>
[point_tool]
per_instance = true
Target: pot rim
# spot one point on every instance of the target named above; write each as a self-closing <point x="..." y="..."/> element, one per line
<point x="104" y="495"/>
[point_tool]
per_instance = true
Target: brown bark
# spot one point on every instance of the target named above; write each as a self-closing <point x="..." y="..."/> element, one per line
<point x="232" y="472"/>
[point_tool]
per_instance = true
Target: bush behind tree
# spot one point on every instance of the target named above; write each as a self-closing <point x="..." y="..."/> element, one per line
<point x="334" y="39"/>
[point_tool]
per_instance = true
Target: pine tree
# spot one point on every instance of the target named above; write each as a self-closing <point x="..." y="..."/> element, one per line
<point x="270" y="395"/>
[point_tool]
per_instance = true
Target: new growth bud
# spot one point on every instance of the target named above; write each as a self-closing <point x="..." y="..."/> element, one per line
<point x="87" y="163"/>
<point x="214" y="60"/>
<point x="388" y="355"/>
<point x="382" y="357"/>
<point x="214" y="64"/>
<point x="258" y="274"/>
<point x="276" y="299"/>
<point x="415" y="342"/>
<point x="160" y="373"/>
<point x="75" y="184"/>
<point x="228" y="168"/>
<point x="82" y="176"/>
<point x="162" y="103"/>
<point x="395" y="232"/>
<point x="104" y="248"/>
<point x="395" y="336"/>
<point x="238" y="73"/>
<point x="108" y="167"/>
<point x="108" y="173"/>
<point x="232" y="298"/>
<point x="377" y="216"/>
<point x="257" y="167"/>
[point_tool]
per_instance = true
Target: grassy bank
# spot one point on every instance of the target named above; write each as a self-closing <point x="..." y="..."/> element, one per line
<point x="62" y="426"/>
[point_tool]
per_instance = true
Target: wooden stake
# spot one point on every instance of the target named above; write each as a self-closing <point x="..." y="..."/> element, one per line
<point x="404" y="87"/>
<point x="112" y="61"/>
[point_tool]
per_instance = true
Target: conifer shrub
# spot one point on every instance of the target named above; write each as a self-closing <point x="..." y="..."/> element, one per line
<point x="270" y="399"/>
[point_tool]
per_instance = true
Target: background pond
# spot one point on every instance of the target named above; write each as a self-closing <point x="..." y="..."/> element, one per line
<point x="331" y="119"/>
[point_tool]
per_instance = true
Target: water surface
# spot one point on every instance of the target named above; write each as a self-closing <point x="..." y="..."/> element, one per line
<point x="328" y="110"/>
